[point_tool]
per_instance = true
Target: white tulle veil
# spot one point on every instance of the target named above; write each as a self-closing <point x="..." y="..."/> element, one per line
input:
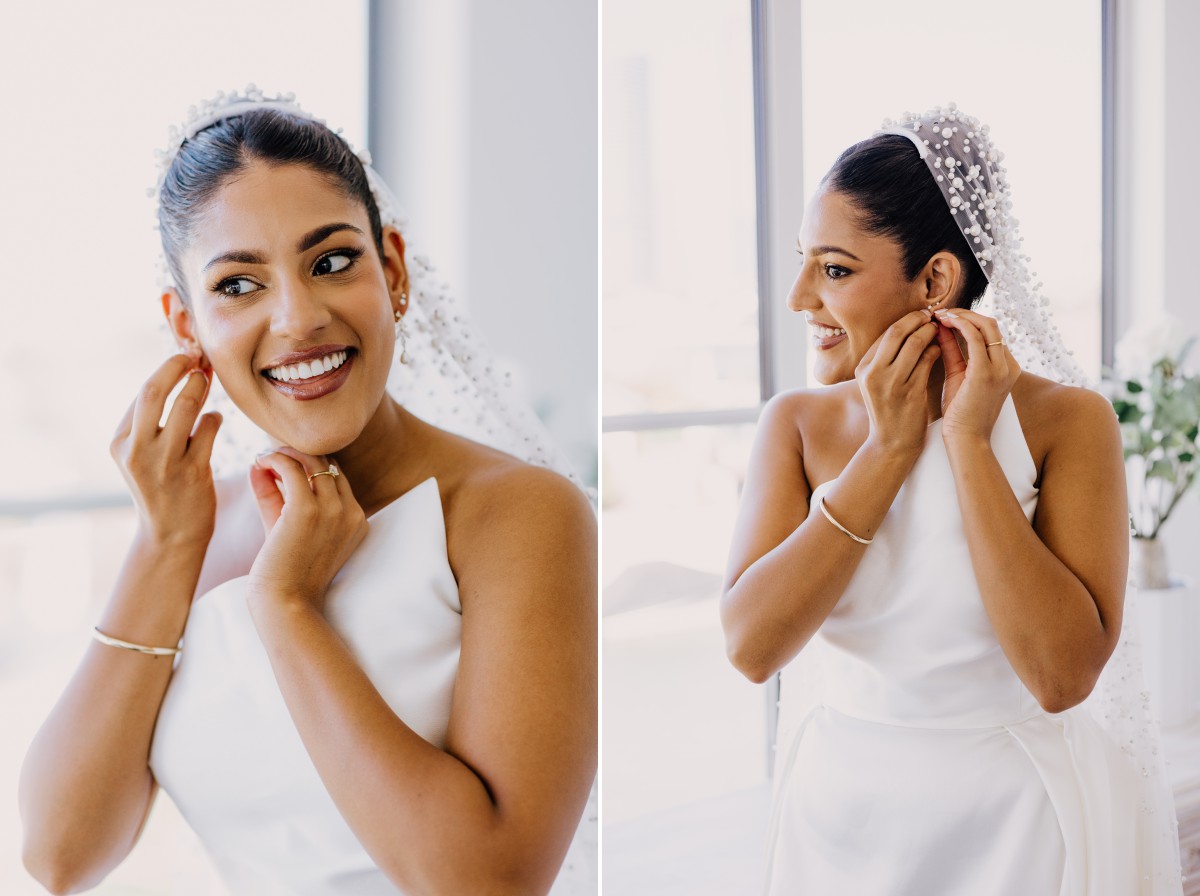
<point x="449" y="378"/>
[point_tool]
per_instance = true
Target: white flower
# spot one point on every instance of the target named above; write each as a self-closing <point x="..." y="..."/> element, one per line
<point x="1150" y="339"/>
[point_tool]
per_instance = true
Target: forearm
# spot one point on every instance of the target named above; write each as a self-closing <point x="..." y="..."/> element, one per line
<point x="85" y="784"/>
<point x="776" y="605"/>
<point x="425" y="817"/>
<point x="1045" y="618"/>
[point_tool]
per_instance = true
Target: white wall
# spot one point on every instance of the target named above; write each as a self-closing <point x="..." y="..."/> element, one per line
<point x="489" y="139"/>
<point x="1158" y="139"/>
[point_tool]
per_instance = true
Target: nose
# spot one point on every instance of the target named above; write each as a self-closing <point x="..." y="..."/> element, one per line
<point x="802" y="297"/>
<point x="298" y="313"/>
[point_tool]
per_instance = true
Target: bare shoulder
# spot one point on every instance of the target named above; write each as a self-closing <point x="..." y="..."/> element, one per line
<point x="506" y="492"/>
<point x="504" y="516"/>
<point x="1061" y="410"/>
<point x="791" y="414"/>
<point x="1057" y="418"/>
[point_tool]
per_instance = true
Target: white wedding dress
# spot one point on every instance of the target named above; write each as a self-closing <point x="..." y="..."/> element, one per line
<point x="225" y="748"/>
<point x="911" y="759"/>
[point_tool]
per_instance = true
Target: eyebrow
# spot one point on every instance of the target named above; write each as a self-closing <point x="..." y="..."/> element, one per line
<point x="829" y="250"/>
<point x="313" y="238"/>
<point x="320" y="234"/>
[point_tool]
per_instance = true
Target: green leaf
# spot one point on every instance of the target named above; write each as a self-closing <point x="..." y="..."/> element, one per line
<point x="1161" y="469"/>
<point x="1133" y="386"/>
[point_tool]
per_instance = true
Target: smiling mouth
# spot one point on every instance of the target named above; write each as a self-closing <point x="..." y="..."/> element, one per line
<point x="312" y="378"/>
<point x="307" y="370"/>
<point x="824" y="337"/>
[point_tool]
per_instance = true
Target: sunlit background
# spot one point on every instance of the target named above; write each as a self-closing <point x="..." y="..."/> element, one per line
<point x="485" y="123"/>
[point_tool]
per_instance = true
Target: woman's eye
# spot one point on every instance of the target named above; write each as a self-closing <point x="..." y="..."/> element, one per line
<point x="237" y="286"/>
<point x="331" y="264"/>
<point x="835" y="272"/>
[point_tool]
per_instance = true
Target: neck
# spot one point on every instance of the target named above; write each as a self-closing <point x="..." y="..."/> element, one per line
<point x="375" y="463"/>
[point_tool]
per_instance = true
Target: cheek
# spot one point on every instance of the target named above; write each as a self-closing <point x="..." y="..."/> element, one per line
<point x="227" y="342"/>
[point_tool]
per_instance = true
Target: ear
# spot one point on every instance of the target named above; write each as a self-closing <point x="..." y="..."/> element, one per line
<point x="940" y="282"/>
<point x="183" y="326"/>
<point x="395" y="272"/>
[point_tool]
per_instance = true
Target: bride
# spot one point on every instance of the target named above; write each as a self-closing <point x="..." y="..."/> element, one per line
<point x="370" y="666"/>
<point x="934" y="552"/>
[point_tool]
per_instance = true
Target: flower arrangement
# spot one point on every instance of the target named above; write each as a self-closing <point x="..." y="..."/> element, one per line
<point x="1157" y="402"/>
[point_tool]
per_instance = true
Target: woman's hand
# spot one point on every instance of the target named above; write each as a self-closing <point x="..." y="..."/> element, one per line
<point x="313" y="526"/>
<point x="977" y="385"/>
<point x="167" y="468"/>
<point x="893" y="377"/>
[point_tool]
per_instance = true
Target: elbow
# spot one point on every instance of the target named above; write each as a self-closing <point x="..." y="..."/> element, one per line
<point x="750" y="662"/>
<point x="58" y="874"/>
<point x="745" y="653"/>
<point x="1063" y="694"/>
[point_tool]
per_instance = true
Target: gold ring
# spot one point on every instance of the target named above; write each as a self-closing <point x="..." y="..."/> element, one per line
<point x="997" y="342"/>
<point x="332" y="471"/>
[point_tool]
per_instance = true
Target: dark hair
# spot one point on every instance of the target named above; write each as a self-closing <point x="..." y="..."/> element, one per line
<point x="897" y="197"/>
<point x="207" y="160"/>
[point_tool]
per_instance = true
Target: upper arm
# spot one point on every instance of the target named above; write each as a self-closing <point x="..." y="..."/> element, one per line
<point x="524" y="712"/>
<point x="775" y="495"/>
<point x="1082" y="512"/>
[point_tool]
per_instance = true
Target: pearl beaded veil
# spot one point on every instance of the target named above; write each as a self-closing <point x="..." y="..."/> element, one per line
<point x="966" y="166"/>
<point x="968" y="169"/>
<point x="449" y="377"/>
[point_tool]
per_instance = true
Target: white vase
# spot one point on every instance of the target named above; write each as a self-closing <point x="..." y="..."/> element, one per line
<point x="1169" y="619"/>
<point x="1148" y="563"/>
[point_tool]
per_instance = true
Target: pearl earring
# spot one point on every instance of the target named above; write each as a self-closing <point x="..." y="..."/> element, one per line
<point x="401" y="329"/>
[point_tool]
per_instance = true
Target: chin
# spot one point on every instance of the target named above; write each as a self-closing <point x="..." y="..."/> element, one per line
<point x="831" y="376"/>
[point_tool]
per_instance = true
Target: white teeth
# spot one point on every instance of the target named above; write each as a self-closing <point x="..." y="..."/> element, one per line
<point x="307" y="369"/>
<point x="824" y="332"/>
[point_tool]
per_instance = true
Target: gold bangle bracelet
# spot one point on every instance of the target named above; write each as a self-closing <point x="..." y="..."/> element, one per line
<point x="129" y="645"/>
<point x="829" y="516"/>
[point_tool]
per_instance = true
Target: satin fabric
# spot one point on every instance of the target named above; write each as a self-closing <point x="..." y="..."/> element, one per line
<point x="911" y="759"/>
<point x="227" y="752"/>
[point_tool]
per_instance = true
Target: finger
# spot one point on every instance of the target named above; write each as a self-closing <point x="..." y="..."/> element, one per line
<point x="200" y="445"/>
<point x="894" y="337"/>
<point x="290" y="473"/>
<point x="152" y="399"/>
<point x="126" y="424"/>
<point x="324" y="482"/>
<point x="987" y="325"/>
<point x="267" y="495"/>
<point x="914" y="346"/>
<point x="345" y="490"/>
<point x="185" y="410"/>
<point x="310" y="462"/>
<point x="924" y="363"/>
<point x="315" y="469"/>
<point x="952" y="356"/>
<point x="976" y="350"/>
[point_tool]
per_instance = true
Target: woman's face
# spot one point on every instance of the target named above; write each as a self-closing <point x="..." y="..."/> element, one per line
<point x="851" y="286"/>
<point x="291" y="305"/>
